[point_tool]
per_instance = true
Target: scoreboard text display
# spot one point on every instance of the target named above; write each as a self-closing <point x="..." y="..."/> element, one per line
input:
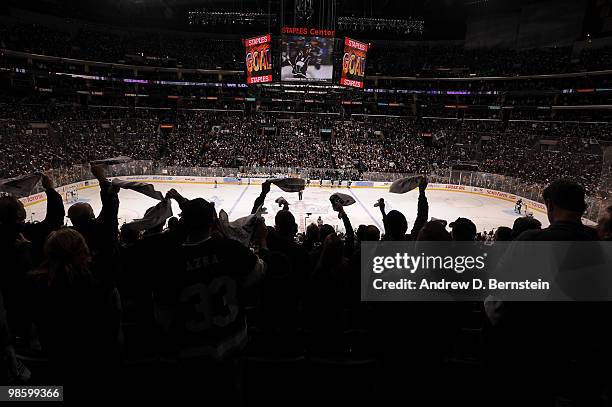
<point x="258" y="59"/>
<point x="353" y="63"/>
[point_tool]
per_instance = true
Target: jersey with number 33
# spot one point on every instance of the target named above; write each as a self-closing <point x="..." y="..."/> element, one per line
<point x="199" y="298"/>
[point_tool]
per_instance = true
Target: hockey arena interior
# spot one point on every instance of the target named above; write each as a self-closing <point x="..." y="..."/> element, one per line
<point x="188" y="191"/>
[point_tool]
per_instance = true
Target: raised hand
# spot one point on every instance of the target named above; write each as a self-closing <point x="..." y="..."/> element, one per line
<point x="265" y="186"/>
<point x="46" y="182"/>
<point x="173" y="194"/>
<point x="99" y="172"/>
<point x="423" y="184"/>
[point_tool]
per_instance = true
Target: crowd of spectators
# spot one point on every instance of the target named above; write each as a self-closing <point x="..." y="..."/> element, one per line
<point x="178" y="308"/>
<point x="532" y="151"/>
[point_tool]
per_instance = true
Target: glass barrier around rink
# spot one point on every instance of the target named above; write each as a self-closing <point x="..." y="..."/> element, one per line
<point x="64" y="176"/>
<point x="508" y="184"/>
<point x="195" y="171"/>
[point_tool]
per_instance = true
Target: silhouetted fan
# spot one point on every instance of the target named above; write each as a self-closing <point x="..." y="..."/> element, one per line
<point x="281" y="201"/>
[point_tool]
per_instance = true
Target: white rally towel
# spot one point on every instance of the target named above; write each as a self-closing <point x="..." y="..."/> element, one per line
<point x="403" y="185"/>
<point x="154" y="216"/>
<point x="290" y="184"/>
<point x="242" y="228"/>
<point x="21" y="186"/>
<point x="143" y="188"/>
<point x="338" y="200"/>
<point x="341" y="199"/>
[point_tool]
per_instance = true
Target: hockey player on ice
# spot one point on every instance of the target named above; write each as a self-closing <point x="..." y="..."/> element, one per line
<point x="518" y="206"/>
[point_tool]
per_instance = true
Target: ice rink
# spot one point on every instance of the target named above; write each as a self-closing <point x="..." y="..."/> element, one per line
<point x="237" y="200"/>
<point x="324" y="73"/>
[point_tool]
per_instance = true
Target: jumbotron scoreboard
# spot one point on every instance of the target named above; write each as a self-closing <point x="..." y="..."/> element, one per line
<point x="306" y="56"/>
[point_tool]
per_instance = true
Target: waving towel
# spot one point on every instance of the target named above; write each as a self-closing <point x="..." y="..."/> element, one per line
<point x="341" y="199"/>
<point x="20" y="186"/>
<point x="242" y="228"/>
<point x="154" y="216"/>
<point x="143" y="188"/>
<point x="403" y="185"/>
<point x="290" y="184"/>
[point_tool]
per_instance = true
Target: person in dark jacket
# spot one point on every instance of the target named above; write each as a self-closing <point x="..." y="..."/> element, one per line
<point x="102" y="232"/>
<point x="77" y="316"/>
<point x="565" y="205"/>
<point x="395" y="222"/>
<point x="141" y="257"/>
<point x="550" y="341"/>
<point x="21" y="246"/>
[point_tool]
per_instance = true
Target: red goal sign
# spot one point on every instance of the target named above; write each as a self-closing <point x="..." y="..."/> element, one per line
<point x="354" y="63"/>
<point x="258" y="59"/>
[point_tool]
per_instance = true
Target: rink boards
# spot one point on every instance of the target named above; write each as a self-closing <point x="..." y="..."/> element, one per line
<point x="488" y="208"/>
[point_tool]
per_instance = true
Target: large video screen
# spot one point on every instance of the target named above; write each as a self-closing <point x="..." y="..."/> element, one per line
<point x="307" y="59"/>
<point x="258" y="59"/>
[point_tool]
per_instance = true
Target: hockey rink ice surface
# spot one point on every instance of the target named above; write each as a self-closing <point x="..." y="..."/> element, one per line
<point x="325" y="73"/>
<point x="237" y="200"/>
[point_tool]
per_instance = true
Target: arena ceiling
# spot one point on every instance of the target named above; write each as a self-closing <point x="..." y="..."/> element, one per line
<point x="444" y="19"/>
